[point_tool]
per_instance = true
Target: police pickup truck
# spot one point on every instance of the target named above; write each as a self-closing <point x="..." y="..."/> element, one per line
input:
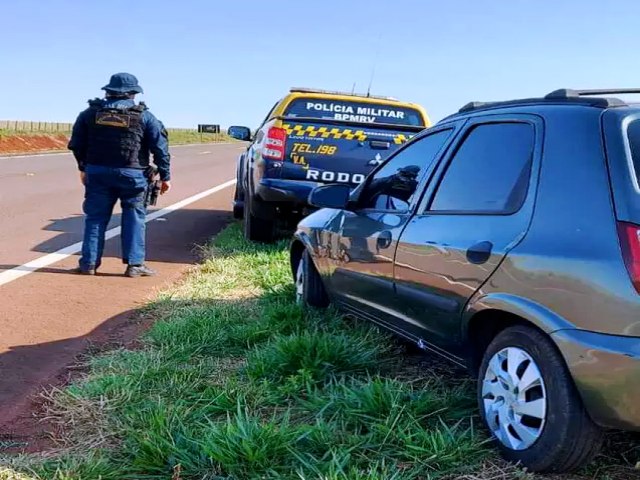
<point x="311" y="137"/>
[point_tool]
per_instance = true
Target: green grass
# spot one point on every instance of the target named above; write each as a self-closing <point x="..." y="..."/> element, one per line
<point x="181" y="137"/>
<point x="22" y="133"/>
<point x="176" y="136"/>
<point x="234" y="381"/>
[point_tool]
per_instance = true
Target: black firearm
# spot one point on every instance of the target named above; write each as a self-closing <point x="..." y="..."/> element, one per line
<point x="153" y="190"/>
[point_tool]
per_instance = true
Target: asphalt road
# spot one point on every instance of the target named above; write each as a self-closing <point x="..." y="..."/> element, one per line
<point x="49" y="317"/>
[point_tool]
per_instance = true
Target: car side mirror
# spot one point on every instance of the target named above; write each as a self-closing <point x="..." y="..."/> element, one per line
<point x="330" y="196"/>
<point x="239" y="133"/>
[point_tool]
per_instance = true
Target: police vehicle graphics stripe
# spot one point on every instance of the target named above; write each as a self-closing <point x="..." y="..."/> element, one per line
<point x="313" y="131"/>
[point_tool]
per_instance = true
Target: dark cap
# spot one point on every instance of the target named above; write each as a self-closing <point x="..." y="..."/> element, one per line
<point x="123" y="83"/>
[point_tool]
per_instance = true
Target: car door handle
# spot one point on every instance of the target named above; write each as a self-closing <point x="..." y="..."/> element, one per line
<point x="384" y="239"/>
<point x="480" y="252"/>
<point x="379" y="145"/>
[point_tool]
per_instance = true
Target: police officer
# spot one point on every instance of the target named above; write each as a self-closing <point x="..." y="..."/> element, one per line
<point x="112" y="141"/>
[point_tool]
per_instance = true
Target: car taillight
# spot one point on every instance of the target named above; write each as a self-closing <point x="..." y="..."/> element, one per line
<point x="630" y="242"/>
<point x="275" y="143"/>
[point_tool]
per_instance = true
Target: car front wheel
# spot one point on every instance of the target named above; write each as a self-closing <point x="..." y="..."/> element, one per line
<point x="309" y="287"/>
<point x="530" y="404"/>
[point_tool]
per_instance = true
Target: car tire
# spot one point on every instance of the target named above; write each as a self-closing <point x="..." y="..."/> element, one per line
<point x="310" y="289"/>
<point x="523" y="366"/>
<point x="257" y="229"/>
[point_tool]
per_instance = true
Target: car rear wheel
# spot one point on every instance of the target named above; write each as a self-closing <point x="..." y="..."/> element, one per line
<point x="257" y="229"/>
<point x="309" y="287"/>
<point x="530" y="404"/>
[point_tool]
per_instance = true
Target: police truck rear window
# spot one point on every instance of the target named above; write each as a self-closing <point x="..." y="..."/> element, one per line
<point x="361" y="112"/>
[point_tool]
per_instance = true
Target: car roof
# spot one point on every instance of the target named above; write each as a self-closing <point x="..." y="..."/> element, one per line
<point x="561" y="97"/>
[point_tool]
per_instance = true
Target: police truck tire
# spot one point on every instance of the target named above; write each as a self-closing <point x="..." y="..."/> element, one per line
<point x="257" y="229"/>
<point x="238" y="208"/>
<point x="238" y="212"/>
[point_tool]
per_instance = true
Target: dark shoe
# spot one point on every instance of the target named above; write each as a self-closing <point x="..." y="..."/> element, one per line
<point x="135" y="271"/>
<point x="84" y="271"/>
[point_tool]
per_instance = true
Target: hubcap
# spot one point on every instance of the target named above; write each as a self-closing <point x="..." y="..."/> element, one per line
<point x="300" y="282"/>
<point x="514" y="398"/>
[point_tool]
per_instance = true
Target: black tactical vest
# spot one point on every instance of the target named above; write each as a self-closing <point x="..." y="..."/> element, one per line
<point x="115" y="136"/>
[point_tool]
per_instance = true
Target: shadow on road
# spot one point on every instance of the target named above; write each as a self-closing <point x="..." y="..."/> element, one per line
<point x="27" y="369"/>
<point x="69" y="232"/>
<point x="170" y="239"/>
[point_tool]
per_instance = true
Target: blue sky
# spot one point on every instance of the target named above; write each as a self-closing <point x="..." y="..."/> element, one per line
<point x="227" y="62"/>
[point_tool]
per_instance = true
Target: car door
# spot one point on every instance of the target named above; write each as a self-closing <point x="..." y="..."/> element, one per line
<point x="477" y="208"/>
<point x="363" y="242"/>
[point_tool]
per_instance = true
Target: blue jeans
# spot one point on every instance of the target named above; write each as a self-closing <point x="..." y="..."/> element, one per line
<point x="104" y="186"/>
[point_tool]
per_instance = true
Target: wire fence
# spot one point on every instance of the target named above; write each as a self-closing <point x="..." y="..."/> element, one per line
<point x="176" y="135"/>
<point x="36" y="127"/>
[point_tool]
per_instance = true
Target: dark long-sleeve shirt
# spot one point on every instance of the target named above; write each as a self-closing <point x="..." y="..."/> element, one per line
<point x="154" y="141"/>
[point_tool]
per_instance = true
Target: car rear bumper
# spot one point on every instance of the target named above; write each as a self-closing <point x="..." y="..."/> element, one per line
<point x="295" y="192"/>
<point x="606" y="370"/>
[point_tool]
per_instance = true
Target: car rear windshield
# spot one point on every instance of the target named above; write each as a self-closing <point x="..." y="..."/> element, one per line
<point x="633" y="133"/>
<point x="354" y="111"/>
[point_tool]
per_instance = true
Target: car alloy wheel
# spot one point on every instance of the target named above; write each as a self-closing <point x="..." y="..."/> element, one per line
<point x="300" y="282"/>
<point x="514" y="398"/>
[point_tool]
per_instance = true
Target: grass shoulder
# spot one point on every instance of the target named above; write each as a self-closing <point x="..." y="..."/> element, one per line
<point x="235" y="381"/>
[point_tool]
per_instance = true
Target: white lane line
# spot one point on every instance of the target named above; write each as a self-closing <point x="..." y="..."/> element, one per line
<point x="204" y="153"/>
<point x="46" y="260"/>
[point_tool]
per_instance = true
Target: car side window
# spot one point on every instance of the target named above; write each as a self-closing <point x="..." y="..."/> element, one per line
<point x="490" y="172"/>
<point x="394" y="185"/>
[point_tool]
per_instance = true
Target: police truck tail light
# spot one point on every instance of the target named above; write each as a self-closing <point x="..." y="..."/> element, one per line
<point x="275" y="143"/>
<point x="629" y="235"/>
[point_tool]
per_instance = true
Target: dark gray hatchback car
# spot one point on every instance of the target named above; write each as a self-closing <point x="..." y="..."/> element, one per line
<point x="507" y="239"/>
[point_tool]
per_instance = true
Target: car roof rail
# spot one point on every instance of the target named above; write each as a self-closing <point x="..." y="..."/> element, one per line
<point x="332" y="92"/>
<point x="569" y="93"/>
<point x="563" y="95"/>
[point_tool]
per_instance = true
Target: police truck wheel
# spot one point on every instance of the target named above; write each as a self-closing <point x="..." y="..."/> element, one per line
<point x="238" y="208"/>
<point x="530" y="404"/>
<point x="309" y="287"/>
<point x="238" y="212"/>
<point x="257" y="229"/>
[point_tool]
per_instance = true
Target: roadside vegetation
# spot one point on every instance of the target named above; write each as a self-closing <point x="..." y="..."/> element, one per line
<point x="12" y="133"/>
<point x="182" y="137"/>
<point x="21" y="142"/>
<point x="176" y="136"/>
<point x="235" y="381"/>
